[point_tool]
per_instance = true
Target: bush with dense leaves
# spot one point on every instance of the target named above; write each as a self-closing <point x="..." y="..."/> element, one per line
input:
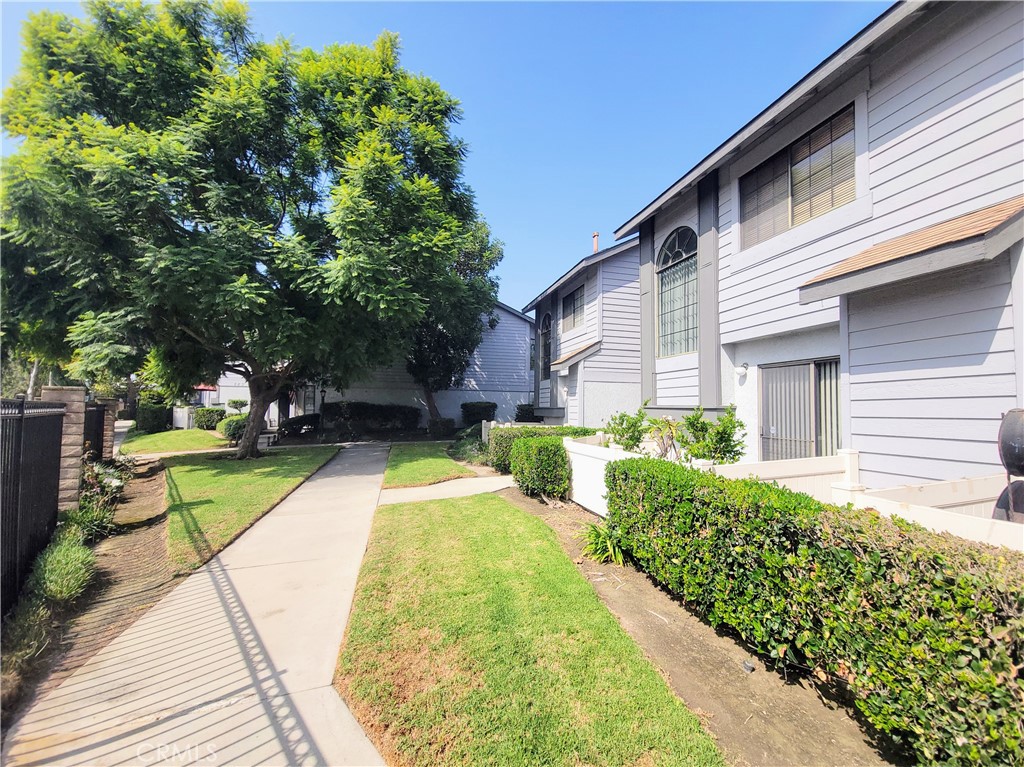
<point x="925" y="630"/>
<point x="208" y="417"/>
<point x="500" y="441"/>
<point x="233" y="427"/>
<point x="475" y="412"/>
<point x="64" y="568"/>
<point x="540" y="466"/>
<point x="371" y="416"/>
<point x="300" y="424"/>
<point x="152" y="418"/>
<point x="440" y="428"/>
<point x="524" y="413"/>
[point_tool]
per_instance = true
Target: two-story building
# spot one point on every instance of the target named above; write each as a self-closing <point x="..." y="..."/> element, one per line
<point x="587" y="330"/>
<point x="846" y="268"/>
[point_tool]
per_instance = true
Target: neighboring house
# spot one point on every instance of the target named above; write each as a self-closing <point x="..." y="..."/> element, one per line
<point x="499" y="371"/>
<point x="846" y="268"/>
<point x="588" y="328"/>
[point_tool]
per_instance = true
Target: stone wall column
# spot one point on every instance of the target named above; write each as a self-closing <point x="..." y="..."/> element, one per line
<point x="72" y="441"/>
<point x="109" y="416"/>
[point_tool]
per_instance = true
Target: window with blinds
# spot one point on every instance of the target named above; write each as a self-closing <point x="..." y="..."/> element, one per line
<point x="812" y="176"/>
<point x="677" y="293"/>
<point x="572" y="309"/>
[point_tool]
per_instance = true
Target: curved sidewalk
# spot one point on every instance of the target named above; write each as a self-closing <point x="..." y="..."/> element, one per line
<point x="235" y="665"/>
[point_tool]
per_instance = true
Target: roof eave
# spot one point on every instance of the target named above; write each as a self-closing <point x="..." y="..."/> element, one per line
<point x="579" y="266"/>
<point x="857" y="45"/>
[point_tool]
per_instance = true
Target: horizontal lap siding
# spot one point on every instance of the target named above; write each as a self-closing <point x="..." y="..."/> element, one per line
<point x="677" y="381"/>
<point x="945" y="117"/>
<point x="619" y="358"/>
<point x="566" y="341"/>
<point x="502" y="361"/>
<point x="932" y="369"/>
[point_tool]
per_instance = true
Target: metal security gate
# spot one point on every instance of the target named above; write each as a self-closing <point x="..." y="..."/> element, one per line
<point x="799" y="410"/>
<point x="30" y="437"/>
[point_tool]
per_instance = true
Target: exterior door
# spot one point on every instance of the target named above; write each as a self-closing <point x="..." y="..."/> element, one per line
<point x="799" y="410"/>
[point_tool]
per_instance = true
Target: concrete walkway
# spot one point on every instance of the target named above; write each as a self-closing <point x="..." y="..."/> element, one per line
<point x="453" y="488"/>
<point x="235" y="665"/>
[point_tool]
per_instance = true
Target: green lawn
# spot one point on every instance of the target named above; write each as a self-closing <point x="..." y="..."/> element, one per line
<point x="173" y="441"/>
<point x="421" y="463"/>
<point x="212" y="500"/>
<point x="473" y="639"/>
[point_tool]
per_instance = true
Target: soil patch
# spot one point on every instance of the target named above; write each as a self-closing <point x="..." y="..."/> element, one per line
<point x="132" y="574"/>
<point x="759" y="717"/>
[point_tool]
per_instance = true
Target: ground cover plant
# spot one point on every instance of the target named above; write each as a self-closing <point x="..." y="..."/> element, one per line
<point x="212" y="500"/>
<point x="474" y="640"/>
<point x="926" y="631"/>
<point x="469" y="447"/>
<point x="174" y="441"/>
<point x="500" y="445"/>
<point x="421" y="463"/>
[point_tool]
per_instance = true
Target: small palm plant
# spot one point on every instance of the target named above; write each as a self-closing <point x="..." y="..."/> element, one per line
<point x="601" y="543"/>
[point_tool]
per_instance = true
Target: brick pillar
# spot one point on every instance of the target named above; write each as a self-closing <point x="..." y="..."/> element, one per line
<point x="72" y="441"/>
<point x="109" y="416"/>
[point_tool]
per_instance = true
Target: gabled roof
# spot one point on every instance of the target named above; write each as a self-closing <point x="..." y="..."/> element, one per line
<point x="516" y="312"/>
<point x="977" y="236"/>
<point x="580" y="265"/>
<point x="847" y="60"/>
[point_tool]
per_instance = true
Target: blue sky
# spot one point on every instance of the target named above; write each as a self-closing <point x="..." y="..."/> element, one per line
<point x="576" y="114"/>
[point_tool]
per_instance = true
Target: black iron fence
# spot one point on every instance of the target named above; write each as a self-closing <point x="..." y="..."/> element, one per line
<point x="30" y="437"/>
<point x="93" y="440"/>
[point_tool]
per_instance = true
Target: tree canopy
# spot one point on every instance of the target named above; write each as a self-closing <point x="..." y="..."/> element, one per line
<point x="188" y="195"/>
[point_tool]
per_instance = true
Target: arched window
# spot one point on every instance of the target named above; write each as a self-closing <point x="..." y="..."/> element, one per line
<point x="545" y="347"/>
<point x="677" y="293"/>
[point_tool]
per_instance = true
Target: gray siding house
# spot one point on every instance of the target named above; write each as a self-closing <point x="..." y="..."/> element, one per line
<point x="588" y="328"/>
<point x="909" y="139"/>
<point x="499" y="371"/>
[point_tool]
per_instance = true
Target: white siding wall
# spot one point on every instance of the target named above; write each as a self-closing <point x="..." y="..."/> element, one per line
<point x="619" y="358"/>
<point x="940" y="132"/>
<point x="932" y="370"/>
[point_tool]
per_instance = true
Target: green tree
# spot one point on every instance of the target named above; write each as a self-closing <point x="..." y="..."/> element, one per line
<point x="210" y="202"/>
<point x="454" y="322"/>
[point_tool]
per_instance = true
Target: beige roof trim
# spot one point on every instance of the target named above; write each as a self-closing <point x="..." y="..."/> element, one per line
<point x="575" y="355"/>
<point x="978" y="236"/>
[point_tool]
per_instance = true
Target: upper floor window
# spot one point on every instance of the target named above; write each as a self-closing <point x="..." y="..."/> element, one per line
<point x="677" y="293"/>
<point x="545" y="347"/>
<point x="814" y="175"/>
<point x="572" y="309"/>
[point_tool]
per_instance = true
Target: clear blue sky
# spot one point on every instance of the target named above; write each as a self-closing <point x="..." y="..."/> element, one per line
<point x="576" y="114"/>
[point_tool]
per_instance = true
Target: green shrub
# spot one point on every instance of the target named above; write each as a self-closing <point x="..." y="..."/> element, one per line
<point x="720" y="440"/>
<point x="152" y="418"/>
<point x="540" y="466"/>
<point x="238" y="405"/>
<point x="500" y="444"/>
<point x="475" y="412"/>
<point x="94" y="519"/>
<point x="208" y="417"/>
<point x="601" y="543"/>
<point x="628" y="430"/>
<point x="300" y="424"/>
<point x="925" y="630"/>
<point x="524" y="413"/>
<point x="469" y="449"/>
<point x="233" y="427"/>
<point x="440" y="428"/>
<point x="373" y="417"/>
<point x="63" y="570"/>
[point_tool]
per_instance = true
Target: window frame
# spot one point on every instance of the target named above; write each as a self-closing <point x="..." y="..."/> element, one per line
<point x="579" y="309"/>
<point x="854" y="107"/>
<point x="545" y="346"/>
<point x="688" y="260"/>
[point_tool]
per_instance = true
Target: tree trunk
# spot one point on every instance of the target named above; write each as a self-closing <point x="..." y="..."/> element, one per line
<point x="31" y="393"/>
<point x="261" y="394"/>
<point x="428" y="397"/>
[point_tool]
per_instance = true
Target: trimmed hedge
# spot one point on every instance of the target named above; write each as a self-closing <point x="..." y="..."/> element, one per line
<point x="500" y="442"/>
<point x="524" y="413"/>
<point x="540" y="466"/>
<point x="152" y="418"/>
<point x="475" y="412"/>
<point x="925" y="630"/>
<point x="208" y="417"/>
<point x="300" y="424"/>
<point x="370" y="416"/>
<point x="233" y="427"/>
